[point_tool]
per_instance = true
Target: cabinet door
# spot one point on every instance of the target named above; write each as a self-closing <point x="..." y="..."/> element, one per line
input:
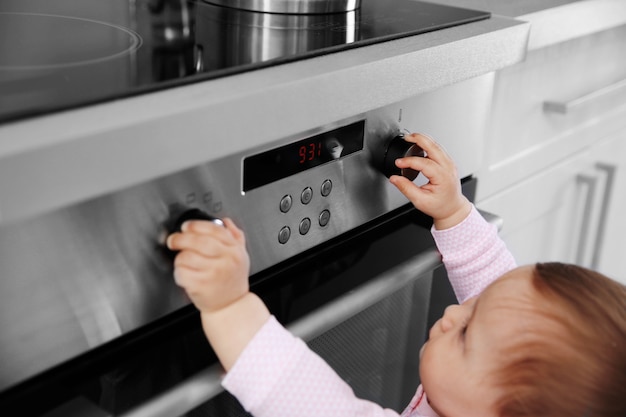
<point x="572" y="212"/>
<point x="544" y="215"/>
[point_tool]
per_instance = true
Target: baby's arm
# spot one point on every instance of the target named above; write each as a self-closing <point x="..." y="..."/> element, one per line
<point x="473" y="253"/>
<point x="213" y="268"/>
<point x="270" y="372"/>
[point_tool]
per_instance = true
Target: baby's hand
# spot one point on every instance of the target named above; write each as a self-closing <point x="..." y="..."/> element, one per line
<point x="212" y="265"/>
<point x="441" y="197"/>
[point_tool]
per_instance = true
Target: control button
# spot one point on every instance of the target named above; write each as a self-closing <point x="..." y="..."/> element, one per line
<point x="327" y="187"/>
<point x="306" y="196"/>
<point x="400" y="148"/>
<point x="305" y="226"/>
<point x="285" y="203"/>
<point x="324" y="218"/>
<point x="284" y="235"/>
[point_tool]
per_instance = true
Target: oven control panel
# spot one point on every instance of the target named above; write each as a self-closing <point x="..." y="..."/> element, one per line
<point x="301" y="191"/>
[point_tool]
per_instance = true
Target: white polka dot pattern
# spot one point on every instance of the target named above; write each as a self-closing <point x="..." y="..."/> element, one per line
<point x="473" y="254"/>
<point x="277" y="375"/>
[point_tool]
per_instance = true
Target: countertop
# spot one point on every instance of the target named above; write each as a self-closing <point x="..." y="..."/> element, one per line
<point x="554" y="21"/>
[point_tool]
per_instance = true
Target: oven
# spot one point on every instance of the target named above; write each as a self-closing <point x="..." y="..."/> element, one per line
<point x="101" y="156"/>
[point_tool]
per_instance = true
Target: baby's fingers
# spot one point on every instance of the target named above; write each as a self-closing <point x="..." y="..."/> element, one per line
<point x="426" y="166"/>
<point x="205" y="245"/>
<point x="434" y="151"/>
<point x="235" y="232"/>
<point x="193" y="261"/>
<point x="408" y="188"/>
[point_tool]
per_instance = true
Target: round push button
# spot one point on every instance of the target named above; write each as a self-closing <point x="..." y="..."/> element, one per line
<point x="285" y="203"/>
<point x="324" y="218"/>
<point x="284" y="234"/>
<point x="305" y="226"/>
<point x="306" y="196"/>
<point x="327" y="187"/>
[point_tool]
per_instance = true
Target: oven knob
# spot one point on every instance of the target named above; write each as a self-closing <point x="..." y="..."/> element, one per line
<point x="400" y="148"/>
<point x="195" y="214"/>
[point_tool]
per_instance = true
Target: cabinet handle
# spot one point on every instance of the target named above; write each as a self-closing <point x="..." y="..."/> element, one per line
<point x="563" y="107"/>
<point x="604" y="209"/>
<point x="590" y="183"/>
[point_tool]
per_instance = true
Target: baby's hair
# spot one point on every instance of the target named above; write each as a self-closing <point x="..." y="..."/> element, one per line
<point x="574" y="363"/>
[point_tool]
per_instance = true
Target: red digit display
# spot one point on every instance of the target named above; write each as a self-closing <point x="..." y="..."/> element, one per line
<point x="302" y="153"/>
<point x="281" y="162"/>
<point x="311" y="151"/>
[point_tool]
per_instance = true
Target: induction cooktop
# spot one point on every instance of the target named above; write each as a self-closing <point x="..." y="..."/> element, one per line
<point x="62" y="54"/>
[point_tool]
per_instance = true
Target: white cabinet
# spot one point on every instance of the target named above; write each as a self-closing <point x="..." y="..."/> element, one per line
<point x="572" y="212"/>
<point x="555" y="160"/>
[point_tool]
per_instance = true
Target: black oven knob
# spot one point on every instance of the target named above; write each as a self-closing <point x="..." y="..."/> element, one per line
<point x="400" y="148"/>
<point x="194" y="214"/>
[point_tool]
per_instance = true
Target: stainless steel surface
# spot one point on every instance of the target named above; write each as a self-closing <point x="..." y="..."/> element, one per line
<point x="291" y="6"/>
<point x="564" y="107"/>
<point x="127" y="142"/>
<point x="272" y="35"/>
<point x="98" y="269"/>
<point x="609" y="170"/>
<point x="198" y="389"/>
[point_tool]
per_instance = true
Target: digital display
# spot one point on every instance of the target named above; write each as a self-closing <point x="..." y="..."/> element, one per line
<point x="278" y="163"/>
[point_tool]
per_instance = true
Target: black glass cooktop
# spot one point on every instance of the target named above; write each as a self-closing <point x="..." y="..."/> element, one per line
<point x="60" y="54"/>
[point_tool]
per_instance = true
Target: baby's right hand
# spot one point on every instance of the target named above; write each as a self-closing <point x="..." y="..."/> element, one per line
<point x="212" y="265"/>
<point x="441" y="197"/>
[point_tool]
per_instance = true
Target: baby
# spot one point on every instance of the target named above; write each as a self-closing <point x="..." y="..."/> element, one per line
<point x="538" y="340"/>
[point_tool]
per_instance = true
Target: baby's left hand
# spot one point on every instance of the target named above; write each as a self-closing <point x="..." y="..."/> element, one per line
<point x="212" y="265"/>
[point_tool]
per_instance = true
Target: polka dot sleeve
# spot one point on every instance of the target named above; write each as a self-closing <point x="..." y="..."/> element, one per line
<point x="473" y="254"/>
<point x="277" y="375"/>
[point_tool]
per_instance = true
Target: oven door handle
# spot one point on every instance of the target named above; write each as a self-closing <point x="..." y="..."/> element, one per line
<point x="354" y="302"/>
<point x="206" y="384"/>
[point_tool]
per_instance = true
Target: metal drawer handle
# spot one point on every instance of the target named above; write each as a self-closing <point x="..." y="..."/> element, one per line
<point x="563" y="107"/>
<point x="604" y="209"/>
<point x="590" y="183"/>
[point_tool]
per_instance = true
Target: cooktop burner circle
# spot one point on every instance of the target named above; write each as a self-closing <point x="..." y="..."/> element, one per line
<point x="45" y="41"/>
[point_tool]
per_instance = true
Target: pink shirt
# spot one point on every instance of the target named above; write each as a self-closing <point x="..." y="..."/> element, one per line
<point x="277" y="375"/>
